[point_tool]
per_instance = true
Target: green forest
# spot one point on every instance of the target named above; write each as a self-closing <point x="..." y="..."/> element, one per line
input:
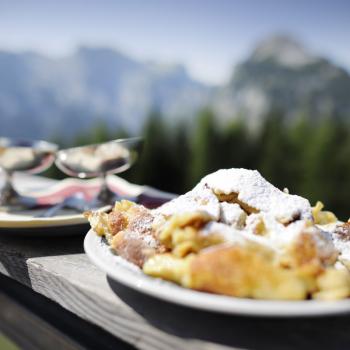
<point x="311" y="158"/>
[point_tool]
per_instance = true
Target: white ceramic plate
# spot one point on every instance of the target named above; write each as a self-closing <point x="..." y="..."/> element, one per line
<point x="130" y="275"/>
<point x="30" y="220"/>
<point x="27" y="224"/>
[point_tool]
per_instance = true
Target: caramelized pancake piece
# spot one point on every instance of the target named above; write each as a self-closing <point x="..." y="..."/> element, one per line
<point x="333" y="284"/>
<point x="169" y="267"/>
<point x="117" y="221"/>
<point x="298" y="244"/>
<point x="181" y="233"/>
<point x="233" y="198"/>
<point x="248" y="271"/>
<point x="128" y="229"/>
<point x="245" y="271"/>
<point x="343" y="232"/>
<point x="98" y="222"/>
<point x="341" y="238"/>
<point x="133" y="237"/>
<point x="235" y="270"/>
<point x="322" y="217"/>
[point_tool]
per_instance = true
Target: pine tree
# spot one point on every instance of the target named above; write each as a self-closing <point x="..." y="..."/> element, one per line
<point x="321" y="149"/>
<point x="204" y="148"/>
<point x="154" y="166"/>
<point x="274" y="147"/>
<point x="180" y="150"/>
<point x="236" y="148"/>
<point x="298" y="134"/>
<point x="340" y="200"/>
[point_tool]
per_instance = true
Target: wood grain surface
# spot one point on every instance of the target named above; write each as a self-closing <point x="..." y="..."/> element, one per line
<point x="58" y="269"/>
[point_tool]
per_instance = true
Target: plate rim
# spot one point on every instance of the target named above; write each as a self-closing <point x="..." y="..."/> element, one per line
<point x="36" y="222"/>
<point x="165" y="291"/>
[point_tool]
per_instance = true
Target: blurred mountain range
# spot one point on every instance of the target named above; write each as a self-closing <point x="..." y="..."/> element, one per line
<point x="282" y="74"/>
<point x="43" y="97"/>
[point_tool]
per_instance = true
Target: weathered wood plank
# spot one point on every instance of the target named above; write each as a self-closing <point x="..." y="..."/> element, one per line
<point x="27" y="329"/>
<point x="36" y="322"/>
<point x="57" y="268"/>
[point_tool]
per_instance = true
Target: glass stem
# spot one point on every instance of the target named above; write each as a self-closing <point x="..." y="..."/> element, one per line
<point x="7" y="193"/>
<point x="105" y="196"/>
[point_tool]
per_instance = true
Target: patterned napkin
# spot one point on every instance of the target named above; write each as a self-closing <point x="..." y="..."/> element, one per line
<point x="57" y="192"/>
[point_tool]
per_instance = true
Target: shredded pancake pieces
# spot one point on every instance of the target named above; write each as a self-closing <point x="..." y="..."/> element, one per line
<point x="235" y="234"/>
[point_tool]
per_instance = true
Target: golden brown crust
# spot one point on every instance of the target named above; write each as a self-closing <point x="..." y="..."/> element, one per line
<point x="233" y="198"/>
<point x="133" y="248"/>
<point x="117" y="221"/>
<point x="129" y="232"/>
<point x="303" y="253"/>
<point x="244" y="271"/>
<point x="343" y="231"/>
<point x="234" y="270"/>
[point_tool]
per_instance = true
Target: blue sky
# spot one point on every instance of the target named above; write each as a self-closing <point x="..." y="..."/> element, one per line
<point x="209" y="37"/>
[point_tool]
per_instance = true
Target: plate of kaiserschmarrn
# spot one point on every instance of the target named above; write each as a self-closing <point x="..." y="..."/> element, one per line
<point x="234" y="244"/>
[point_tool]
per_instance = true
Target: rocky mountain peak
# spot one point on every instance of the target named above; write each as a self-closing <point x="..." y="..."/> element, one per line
<point x="284" y="50"/>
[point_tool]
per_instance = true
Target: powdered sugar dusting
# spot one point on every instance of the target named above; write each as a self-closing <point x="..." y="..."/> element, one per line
<point x="253" y="190"/>
<point x="341" y="239"/>
<point x="232" y="235"/>
<point x="232" y="214"/>
<point x="196" y="200"/>
<point x="275" y="236"/>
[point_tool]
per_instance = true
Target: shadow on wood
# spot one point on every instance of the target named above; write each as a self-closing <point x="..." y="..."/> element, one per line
<point x="37" y="323"/>
<point x="239" y="331"/>
<point x="13" y="262"/>
<point x="55" y="231"/>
